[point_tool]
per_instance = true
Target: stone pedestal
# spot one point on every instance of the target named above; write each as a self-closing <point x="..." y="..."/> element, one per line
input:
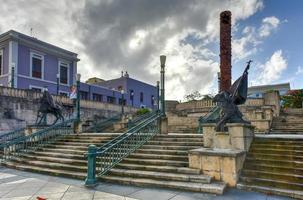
<point x="163" y="125"/>
<point x="224" y="153"/>
<point x="222" y="164"/>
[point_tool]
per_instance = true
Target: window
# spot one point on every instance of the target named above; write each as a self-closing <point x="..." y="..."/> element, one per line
<point x="111" y="99"/>
<point x="141" y="97"/>
<point x="37" y="65"/>
<point x="1" y="62"/>
<point x="63" y="67"/>
<point x="97" y="97"/>
<point x="84" y="95"/>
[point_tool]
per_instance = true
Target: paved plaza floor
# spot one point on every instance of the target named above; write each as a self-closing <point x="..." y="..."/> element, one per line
<point x="20" y="185"/>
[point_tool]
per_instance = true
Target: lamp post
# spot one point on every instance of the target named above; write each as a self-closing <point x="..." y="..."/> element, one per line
<point x="78" y="97"/>
<point x="158" y="95"/>
<point x="122" y="101"/>
<point x="58" y="77"/>
<point x="162" y="62"/>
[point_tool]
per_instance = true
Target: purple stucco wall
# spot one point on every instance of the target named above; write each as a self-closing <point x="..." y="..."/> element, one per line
<point x="51" y="64"/>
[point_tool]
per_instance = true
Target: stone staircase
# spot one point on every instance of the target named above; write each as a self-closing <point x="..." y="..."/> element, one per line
<point x="161" y="162"/>
<point x="274" y="166"/>
<point x="289" y="121"/>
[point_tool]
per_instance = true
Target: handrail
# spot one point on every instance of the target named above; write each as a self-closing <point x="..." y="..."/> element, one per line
<point x="4" y="138"/>
<point x="100" y="124"/>
<point x="41" y="137"/>
<point x="132" y="122"/>
<point x="211" y="117"/>
<point x="101" y="160"/>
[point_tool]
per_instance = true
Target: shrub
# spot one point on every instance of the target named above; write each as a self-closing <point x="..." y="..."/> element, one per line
<point x="142" y="111"/>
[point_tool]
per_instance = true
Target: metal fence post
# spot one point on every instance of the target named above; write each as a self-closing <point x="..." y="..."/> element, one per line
<point x="90" y="180"/>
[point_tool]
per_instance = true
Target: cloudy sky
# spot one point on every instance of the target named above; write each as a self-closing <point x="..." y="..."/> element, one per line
<point x="114" y="35"/>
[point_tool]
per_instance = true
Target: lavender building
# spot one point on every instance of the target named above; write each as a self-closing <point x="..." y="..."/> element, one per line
<point x="29" y="63"/>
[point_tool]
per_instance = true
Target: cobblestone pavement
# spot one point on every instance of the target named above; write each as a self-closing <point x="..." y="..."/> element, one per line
<point x="20" y="185"/>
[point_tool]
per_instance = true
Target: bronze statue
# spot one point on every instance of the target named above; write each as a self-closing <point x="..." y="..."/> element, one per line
<point x="228" y="101"/>
<point x="48" y="106"/>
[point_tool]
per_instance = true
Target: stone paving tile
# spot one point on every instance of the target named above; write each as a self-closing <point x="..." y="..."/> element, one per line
<point x="16" y="198"/>
<point x="21" y="192"/>
<point x="193" y="196"/>
<point x="47" y="190"/>
<point x="78" y="195"/>
<point x="107" y="196"/>
<point x="123" y="190"/>
<point x="49" y="196"/>
<point x="154" y="194"/>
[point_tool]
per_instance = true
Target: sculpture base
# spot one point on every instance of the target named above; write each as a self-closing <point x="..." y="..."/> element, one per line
<point x="221" y="164"/>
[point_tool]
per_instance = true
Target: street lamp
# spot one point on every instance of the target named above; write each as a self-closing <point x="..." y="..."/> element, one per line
<point x="78" y="96"/>
<point x="122" y="98"/>
<point x="58" y="77"/>
<point x="162" y="62"/>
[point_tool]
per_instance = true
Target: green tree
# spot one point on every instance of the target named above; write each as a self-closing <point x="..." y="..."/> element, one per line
<point x="196" y="95"/>
<point x="293" y="99"/>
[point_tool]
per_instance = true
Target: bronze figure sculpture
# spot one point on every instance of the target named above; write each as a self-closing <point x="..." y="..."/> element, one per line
<point x="228" y="101"/>
<point x="48" y="106"/>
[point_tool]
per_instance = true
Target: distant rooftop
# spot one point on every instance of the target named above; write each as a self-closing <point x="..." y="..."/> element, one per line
<point x="264" y="88"/>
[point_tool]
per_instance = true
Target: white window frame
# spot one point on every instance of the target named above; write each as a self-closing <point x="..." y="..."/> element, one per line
<point x="1" y="70"/>
<point x="63" y="63"/>
<point x="37" y="87"/>
<point x="38" y="56"/>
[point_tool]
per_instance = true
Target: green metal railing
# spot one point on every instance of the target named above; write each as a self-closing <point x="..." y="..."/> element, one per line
<point x="14" y="147"/>
<point x="12" y="135"/>
<point x="101" y="160"/>
<point x="211" y="117"/>
<point x="136" y="120"/>
<point x="102" y="124"/>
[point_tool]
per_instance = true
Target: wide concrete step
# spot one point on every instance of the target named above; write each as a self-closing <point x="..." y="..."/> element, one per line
<point x="296" y="194"/>
<point x="156" y="142"/>
<point x="278" y="141"/>
<point x="170" y="169"/>
<point x="173" y="147"/>
<point x="277" y="146"/>
<point x="215" y="188"/>
<point x="158" y="156"/>
<point x="159" y="162"/>
<point x="58" y="155"/>
<point x="93" y="135"/>
<point x="273" y="168"/>
<point x="44" y="170"/>
<point x="271" y="183"/>
<point x="160" y="175"/>
<point x="161" y="151"/>
<point x="179" y="135"/>
<point x="276" y="156"/>
<point x="91" y="141"/>
<point x="54" y="159"/>
<point x="275" y="162"/>
<point x="178" y="139"/>
<point x="62" y="150"/>
<point x="275" y="176"/>
<point x="280" y="151"/>
<point x="50" y="165"/>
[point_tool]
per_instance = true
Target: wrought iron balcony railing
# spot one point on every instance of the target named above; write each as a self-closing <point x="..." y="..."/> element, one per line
<point x="101" y="160"/>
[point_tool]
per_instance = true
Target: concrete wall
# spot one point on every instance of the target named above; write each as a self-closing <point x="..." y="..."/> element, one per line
<point x="18" y="108"/>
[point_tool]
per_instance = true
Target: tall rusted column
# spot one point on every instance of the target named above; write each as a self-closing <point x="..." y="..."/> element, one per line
<point x="225" y="50"/>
